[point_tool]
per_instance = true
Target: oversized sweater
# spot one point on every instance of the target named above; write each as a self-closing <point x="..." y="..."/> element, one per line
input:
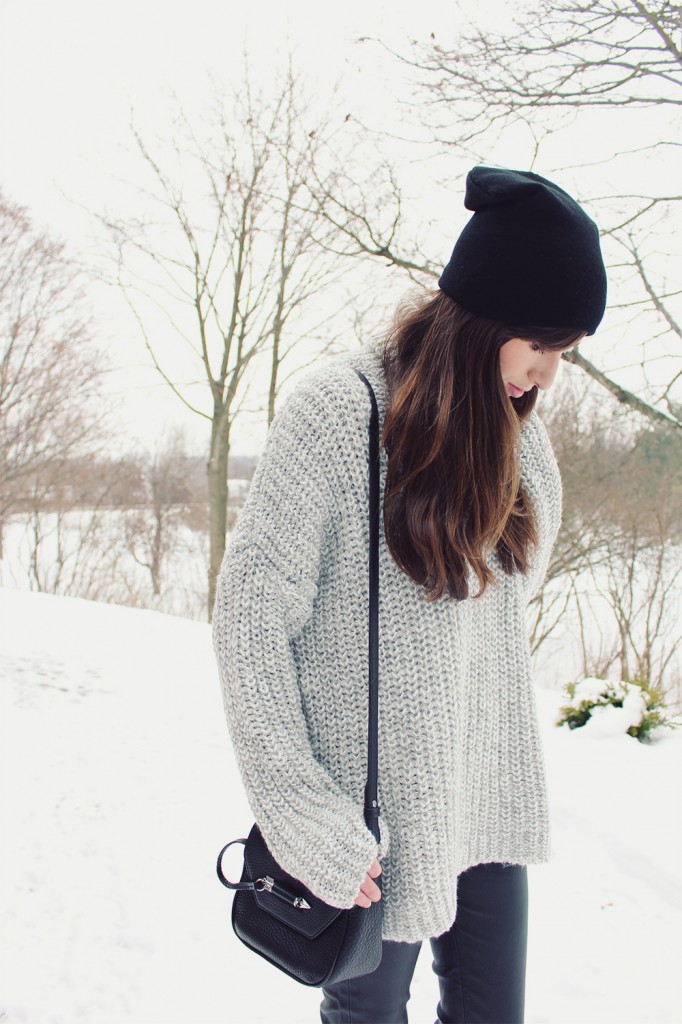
<point x="461" y="768"/>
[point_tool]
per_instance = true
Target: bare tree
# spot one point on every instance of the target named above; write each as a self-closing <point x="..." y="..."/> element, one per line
<point x="67" y="550"/>
<point x="614" y="572"/>
<point x="561" y="61"/>
<point x="152" y="528"/>
<point x="50" y="370"/>
<point x="559" y="55"/>
<point x="231" y="260"/>
<point x="641" y="553"/>
<point x="642" y="588"/>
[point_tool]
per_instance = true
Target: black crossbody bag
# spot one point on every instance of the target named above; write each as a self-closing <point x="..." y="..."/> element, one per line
<point x="273" y="913"/>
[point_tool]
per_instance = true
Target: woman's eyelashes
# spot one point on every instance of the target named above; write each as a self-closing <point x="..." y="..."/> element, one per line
<point x="537" y="347"/>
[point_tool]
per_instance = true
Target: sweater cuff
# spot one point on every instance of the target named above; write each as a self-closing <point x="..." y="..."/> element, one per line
<point x="332" y="863"/>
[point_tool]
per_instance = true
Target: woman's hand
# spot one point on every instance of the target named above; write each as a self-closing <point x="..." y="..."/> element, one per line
<point x="369" y="890"/>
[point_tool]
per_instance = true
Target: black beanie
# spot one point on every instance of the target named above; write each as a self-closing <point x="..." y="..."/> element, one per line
<point x="529" y="256"/>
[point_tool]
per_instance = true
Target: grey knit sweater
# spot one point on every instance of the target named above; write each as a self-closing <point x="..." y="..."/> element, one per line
<point x="461" y="770"/>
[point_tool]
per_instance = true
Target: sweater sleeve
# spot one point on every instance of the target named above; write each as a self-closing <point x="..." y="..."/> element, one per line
<point x="264" y="596"/>
<point x="541" y="472"/>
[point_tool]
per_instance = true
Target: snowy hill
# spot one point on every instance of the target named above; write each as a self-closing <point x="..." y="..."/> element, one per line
<point x="119" y="788"/>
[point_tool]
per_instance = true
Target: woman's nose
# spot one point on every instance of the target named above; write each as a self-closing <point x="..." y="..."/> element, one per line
<point x="545" y="375"/>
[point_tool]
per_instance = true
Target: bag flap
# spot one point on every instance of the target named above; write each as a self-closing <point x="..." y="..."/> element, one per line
<point x="259" y="862"/>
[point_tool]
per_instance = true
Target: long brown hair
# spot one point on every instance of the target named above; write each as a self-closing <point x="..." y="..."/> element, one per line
<point x="452" y="436"/>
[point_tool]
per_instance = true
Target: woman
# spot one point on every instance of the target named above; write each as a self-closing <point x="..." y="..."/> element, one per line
<point x="471" y="509"/>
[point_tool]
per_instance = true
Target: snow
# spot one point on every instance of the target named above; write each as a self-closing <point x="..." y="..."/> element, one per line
<point x="119" y="788"/>
<point x="589" y="689"/>
<point x="607" y="719"/>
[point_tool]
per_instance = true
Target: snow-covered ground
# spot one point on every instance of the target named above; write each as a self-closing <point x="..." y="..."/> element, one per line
<point x="119" y="787"/>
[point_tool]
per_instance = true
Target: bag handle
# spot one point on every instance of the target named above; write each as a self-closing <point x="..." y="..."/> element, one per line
<point x="372" y="809"/>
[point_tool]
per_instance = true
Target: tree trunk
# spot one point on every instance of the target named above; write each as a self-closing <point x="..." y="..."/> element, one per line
<point x="217" y="501"/>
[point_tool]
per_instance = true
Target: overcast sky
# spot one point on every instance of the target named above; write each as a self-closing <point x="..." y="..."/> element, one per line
<point x="72" y="70"/>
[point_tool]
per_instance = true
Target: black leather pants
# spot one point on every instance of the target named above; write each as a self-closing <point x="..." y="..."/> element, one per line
<point x="480" y="961"/>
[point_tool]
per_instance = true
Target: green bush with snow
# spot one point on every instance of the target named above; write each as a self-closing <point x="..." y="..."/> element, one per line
<point x="615" y="707"/>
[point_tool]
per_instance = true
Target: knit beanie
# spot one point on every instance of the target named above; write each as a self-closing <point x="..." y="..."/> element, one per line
<point x="529" y="256"/>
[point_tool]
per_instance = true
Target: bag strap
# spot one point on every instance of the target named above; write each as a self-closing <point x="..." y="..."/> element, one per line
<point x="372" y="809"/>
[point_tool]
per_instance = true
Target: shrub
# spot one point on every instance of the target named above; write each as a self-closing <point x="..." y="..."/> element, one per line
<point x="643" y="706"/>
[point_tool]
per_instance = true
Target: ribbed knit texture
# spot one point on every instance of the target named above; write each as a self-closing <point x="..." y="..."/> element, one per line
<point x="461" y="770"/>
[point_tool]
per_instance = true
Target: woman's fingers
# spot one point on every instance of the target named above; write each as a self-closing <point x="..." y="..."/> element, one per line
<point x="369" y="890"/>
<point x="375" y="869"/>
